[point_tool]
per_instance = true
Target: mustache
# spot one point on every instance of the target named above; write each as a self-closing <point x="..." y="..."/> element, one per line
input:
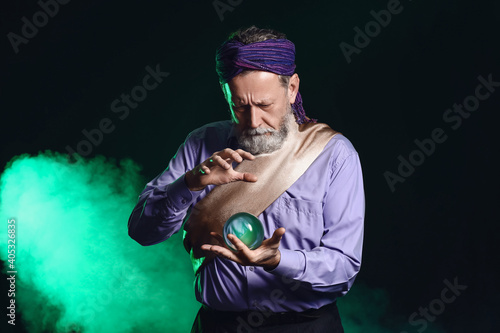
<point x="258" y="131"/>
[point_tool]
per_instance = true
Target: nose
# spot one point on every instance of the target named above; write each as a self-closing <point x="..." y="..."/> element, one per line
<point x="254" y="117"/>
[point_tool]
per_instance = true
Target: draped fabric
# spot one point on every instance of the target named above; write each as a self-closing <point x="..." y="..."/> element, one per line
<point x="302" y="147"/>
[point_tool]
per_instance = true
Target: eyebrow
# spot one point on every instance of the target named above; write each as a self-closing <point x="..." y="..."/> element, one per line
<point x="259" y="102"/>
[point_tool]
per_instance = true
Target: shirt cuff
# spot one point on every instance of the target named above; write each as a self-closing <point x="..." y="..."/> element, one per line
<point x="292" y="264"/>
<point x="179" y="195"/>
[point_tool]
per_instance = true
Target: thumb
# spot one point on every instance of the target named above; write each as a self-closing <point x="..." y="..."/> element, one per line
<point x="249" y="177"/>
<point x="278" y="233"/>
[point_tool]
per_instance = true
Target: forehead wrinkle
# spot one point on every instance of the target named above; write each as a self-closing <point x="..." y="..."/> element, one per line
<point x="265" y="99"/>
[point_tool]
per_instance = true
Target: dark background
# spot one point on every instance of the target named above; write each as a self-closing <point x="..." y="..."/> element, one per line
<point x="439" y="224"/>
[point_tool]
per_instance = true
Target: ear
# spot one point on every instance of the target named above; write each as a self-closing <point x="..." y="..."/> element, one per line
<point x="293" y="87"/>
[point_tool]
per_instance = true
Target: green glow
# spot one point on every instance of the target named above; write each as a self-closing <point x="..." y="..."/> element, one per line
<point x="228" y="96"/>
<point x="77" y="266"/>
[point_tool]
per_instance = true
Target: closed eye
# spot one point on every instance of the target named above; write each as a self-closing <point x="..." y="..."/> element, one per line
<point x="242" y="108"/>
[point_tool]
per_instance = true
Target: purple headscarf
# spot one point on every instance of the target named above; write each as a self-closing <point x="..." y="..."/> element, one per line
<point x="272" y="55"/>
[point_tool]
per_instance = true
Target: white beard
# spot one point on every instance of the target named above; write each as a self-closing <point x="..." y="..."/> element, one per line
<point x="255" y="141"/>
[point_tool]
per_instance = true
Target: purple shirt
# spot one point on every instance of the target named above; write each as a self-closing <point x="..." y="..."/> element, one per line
<point x="322" y="212"/>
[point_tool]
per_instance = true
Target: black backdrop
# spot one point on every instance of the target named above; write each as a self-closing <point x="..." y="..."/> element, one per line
<point x="437" y="224"/>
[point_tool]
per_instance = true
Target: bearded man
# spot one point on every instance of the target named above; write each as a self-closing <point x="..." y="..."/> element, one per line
<point x="300" y="178"/>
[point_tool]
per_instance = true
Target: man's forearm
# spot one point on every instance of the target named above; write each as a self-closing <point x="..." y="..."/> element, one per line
<point x="159" y="212"/>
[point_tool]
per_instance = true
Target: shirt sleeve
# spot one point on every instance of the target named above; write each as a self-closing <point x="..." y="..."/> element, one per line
<point x="333" y="266"/>
<point x="164" y="202"/>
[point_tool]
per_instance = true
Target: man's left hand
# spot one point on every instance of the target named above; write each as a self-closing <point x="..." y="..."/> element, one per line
<point x="267" y="255"/>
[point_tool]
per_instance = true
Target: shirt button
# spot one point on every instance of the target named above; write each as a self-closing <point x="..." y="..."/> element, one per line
<point x="183" y="201"/>
<point x="251" y="268"/>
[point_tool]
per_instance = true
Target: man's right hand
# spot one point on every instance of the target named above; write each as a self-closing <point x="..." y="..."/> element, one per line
<point x="218" y="170"/>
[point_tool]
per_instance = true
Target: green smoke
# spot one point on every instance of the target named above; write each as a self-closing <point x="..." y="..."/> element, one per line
<point x="367" y="310"/>
<point x="79" y="271"/>
<point x="77" y="267"/>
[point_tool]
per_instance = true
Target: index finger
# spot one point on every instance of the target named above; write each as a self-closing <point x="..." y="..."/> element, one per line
<point x="231" y="154"/>
<point x="238" y="244"/>
<point x="245" y="154"/>
<point x="237" y="155"/>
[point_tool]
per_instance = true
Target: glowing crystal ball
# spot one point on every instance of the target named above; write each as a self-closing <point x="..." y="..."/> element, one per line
<point x="247" y="228"/>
